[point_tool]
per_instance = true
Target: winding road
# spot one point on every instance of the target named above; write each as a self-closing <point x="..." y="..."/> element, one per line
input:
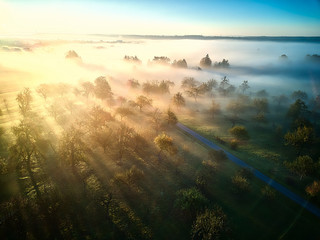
<point x="304" y="203"/>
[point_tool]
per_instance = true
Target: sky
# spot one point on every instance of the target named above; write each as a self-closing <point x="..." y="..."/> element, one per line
<point x="165" y="17"/>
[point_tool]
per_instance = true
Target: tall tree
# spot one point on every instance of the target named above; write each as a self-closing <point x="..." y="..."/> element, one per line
<point x="244" y="86"/>
<point x="24" y="99"/>
<point x="143" y="101"/>
<point x="178" y="100"/>
<point x="300" y="138"/>
<point x="72" y="148"/>
<point x="165" y="143"/>
<point x="205" y="62"/>
<point x="171" y="118"/>
<point x="297" y="110"/>
<point x="44" y="90"/>
<point x="102" y="89"/>
<point x="239" y="132"/>
<point x="302" y="166"/>
<point x="211" y="225"/>
<point x="88" y="88"/>
<point x="190" y="201"/>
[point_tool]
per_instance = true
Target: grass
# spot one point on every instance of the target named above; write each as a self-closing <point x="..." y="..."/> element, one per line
<point x="262" y="151"/>
<point x="252" y="216"/>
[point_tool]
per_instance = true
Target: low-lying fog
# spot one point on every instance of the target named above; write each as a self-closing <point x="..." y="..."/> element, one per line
<point x="29" y="62"/>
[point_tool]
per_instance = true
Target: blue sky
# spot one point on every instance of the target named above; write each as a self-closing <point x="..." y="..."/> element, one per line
<point x="174" y="17"/>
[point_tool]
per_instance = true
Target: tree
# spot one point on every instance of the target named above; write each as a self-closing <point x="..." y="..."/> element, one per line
<point x="300" y="138"/>
<point x="225" y="88"/>
<point x="239" y="132"/>
<point x="156" y="119"/>
<point x="190" y="201"/>
<point x="260" y="118"/>
<point x="217" y="155"/>
<point x="210" y="225"/>
<point x="72" y="55"/>
<point x="72" y="149"/>
<point x="56" y="111"/>
<point x="157" y="87"/>
<point x="24" y="99"/>
<point x="123" y="112"/>
<point x="261" y="105"/>
<point x="88" y="88"/>
<point x="132" y="59"/>
<point x="302" y="166"/>
<point x="224" y="64"/>
<point x="281" y="99"/>
<point x="178" y="100"/>
<point x="214" y="108"/>
<point x="123" y="137"/>
<point x="133" y="83"/>
<point x="165" y="143"/>
<point x="235" y="107"/>
<point x="268" y="192"/>
<point x="61" y="88"/>
<point x="25" y="152"/>
<point x="171" y="118"/>
<point x="240" y="184"/>
<point x="188" y="82"/>
<point x="262" y="94"/>
<point x="206" y="173"/>
<point x="205" y="62"/>
<point x="104" y="138"/>
<point x="313" y="189"/>
<point x="102" y="89"/>
<point x="143" y="101"/>
<point x="194" y="92"/>
<point x="98" y="118"/>
<point x="180" y="63"/>
<point x="299" y="95"/>
<point x="44" y="90"/>
<point x="297" y="110"/>
<point x="161" y="60"/>
<point x="244" y="86"/>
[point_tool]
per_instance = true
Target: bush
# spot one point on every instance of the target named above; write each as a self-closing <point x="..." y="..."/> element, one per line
<point x="240" y="184"/>
<point x="268" y="192"/>
<point x="246" y="173"/>
<point x="217" y="155"/>
<point x="239" y="132"/>
<point x="234" y="144"/>
<point x="220" y="140"/>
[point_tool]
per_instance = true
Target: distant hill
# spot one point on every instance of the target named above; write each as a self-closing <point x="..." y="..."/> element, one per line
<point x="314" y="39"/>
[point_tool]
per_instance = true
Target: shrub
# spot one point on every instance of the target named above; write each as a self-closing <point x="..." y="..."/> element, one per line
<point x="268" y="192"/>
<point x="234" y="144"/>
<point x="240" y="184"/>
<point x="239" y="132"/>
<point x="217" y="155"/>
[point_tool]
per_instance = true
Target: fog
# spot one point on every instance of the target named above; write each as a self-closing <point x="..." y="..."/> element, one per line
<point x="32" y="61"/>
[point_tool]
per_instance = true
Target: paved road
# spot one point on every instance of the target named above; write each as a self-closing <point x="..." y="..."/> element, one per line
<point x="304" y="203"/>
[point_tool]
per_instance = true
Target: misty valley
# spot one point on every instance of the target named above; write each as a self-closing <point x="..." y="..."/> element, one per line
<point x="136" y="137"/>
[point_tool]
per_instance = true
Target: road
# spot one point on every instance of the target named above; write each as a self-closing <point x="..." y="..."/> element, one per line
<point x="304" y="203"/>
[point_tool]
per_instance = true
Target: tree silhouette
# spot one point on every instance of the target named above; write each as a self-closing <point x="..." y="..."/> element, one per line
<point x="244" y="86"/>
<point x="165" y="143"/>
<point x="210" y="225"/>
<point x="205" y="62"/>
<point x="178" y="100"/>
<point x="102" y="89"/>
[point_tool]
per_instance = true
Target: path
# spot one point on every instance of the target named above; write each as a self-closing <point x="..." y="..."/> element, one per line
<point x="304" y="203"/>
